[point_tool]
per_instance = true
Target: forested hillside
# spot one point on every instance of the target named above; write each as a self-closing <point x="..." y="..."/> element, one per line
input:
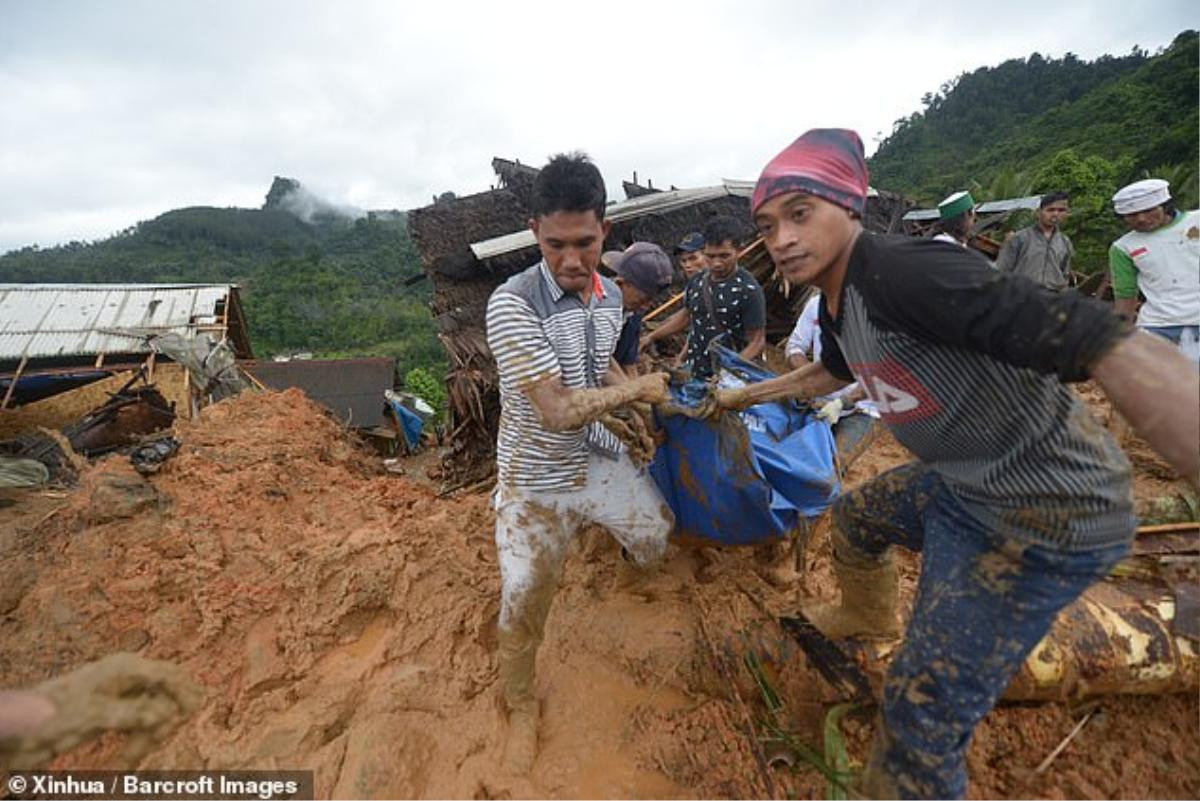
<point x="331" y="280"/>
<point x="1036" y="124"/>
<point x="315" y="277"/>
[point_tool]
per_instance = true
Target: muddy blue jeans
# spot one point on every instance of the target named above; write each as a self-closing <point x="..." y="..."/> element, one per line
<point x="983" y="602"/>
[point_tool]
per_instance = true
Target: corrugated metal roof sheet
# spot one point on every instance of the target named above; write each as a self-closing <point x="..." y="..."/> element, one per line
<point x="47" y="320"/>
<point x="991" y="207"/>
<point x="635" y="207"/>
<point x="350" y="388"/>
<point x="653" y="203"/>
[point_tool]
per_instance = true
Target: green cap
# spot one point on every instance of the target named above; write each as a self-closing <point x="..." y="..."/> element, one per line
<point x="955" y="205"/>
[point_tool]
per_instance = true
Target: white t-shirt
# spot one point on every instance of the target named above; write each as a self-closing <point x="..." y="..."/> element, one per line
<point x="805" y="340"/>
<point x="1167" y="265"/>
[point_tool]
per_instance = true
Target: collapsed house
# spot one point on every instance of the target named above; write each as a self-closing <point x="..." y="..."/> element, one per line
<point x="59" y="338"/>
<point x="99" y="364"/>
<point x="108" y="364"/>
<point x="470" y="245"/>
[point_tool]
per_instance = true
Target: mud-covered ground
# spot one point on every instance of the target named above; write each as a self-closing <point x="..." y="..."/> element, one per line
<point x="341" y="619"/>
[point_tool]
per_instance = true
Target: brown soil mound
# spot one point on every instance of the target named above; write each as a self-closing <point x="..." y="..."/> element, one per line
<point x="342" y="620"/>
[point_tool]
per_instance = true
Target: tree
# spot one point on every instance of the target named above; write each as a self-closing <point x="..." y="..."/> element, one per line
<point x="421" y="382"/>
<point x="1091" y="182"/>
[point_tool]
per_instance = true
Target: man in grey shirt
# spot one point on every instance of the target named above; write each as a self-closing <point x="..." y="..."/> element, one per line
<point x="1018" y="501"/>
<point x="1041" y="252"/>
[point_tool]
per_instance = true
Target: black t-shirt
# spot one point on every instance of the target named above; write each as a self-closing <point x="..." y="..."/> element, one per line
<point x="964" y="363"/>
<point x="626" y="351"/>
<point x="738" y="306"/>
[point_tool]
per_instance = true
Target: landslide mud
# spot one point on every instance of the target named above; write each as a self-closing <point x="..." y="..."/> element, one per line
<point x="342" y="620"/>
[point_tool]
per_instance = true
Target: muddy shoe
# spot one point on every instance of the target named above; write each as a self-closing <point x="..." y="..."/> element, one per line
<point x="521" y="747"/>
<point x="868" y="607"/>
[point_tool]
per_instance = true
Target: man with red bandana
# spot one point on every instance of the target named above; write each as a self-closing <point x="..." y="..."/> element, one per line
<point x="1018" y="500"/>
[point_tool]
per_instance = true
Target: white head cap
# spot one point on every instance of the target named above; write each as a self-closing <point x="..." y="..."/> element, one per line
<point x="1141" y="195"/>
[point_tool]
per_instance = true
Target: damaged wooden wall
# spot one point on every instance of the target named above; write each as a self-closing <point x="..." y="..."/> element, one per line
<point x="61" y="410"/>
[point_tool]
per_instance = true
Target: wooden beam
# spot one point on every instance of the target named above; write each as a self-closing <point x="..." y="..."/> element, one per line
<point x="1168" y="528"/>
<point x="12" y="385"/>
<point x="662" y="308"/>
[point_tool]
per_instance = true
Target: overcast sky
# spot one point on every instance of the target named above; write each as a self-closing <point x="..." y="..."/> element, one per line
<point x="113" y="112"/>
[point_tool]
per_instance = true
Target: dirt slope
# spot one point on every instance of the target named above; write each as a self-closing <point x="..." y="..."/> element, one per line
<point x="342" y="620"/>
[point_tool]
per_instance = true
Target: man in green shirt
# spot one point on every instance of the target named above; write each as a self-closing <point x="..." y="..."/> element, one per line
<point x="1160" y="258"/>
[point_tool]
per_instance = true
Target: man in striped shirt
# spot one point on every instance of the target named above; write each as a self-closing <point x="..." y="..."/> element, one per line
<point x="1019" y="500"/>
<point x="552" y="329"/>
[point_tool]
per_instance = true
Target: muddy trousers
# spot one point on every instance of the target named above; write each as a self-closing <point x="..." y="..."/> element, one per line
<point x="983" y="602"/>
<point x="533" y="532"/>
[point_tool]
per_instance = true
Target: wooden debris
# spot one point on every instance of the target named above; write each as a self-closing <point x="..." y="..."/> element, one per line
<point x="1058" y="749"/>
<point x="838" y="668"/>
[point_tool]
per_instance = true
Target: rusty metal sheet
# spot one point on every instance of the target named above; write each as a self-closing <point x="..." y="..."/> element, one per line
<point x="350" y="388"/>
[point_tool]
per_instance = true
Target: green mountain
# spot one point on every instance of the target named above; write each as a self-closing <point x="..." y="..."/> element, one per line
<point x="315" y="276"/>
<point x="1036" y="124"/>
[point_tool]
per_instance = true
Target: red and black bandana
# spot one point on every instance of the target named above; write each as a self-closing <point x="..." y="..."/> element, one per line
<point x="825" y="162"/>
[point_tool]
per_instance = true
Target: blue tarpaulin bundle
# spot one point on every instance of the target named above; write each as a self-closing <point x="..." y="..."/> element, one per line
<point x="410" y="424"/>
<point x="748" y="478"/>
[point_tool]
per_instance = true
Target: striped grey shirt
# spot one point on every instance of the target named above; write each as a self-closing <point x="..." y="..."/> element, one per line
<point x="537" y="331"/>
<point x="961" y="360"/>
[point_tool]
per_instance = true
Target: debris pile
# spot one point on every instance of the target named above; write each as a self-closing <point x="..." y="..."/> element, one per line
<point x="341" y="619"/>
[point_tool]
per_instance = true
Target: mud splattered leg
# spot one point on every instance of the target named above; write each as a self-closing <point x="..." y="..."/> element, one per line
<point x="626" y="501"/>
<point x="982" y="604"/>
<point x="530" y="540"/>
<point x="866" y="523"/>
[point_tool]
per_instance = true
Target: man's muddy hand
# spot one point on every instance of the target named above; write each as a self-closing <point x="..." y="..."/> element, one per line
<point x="652" y="388"/>
<point x="144" y="699"/>
<point x="733" y="400"/>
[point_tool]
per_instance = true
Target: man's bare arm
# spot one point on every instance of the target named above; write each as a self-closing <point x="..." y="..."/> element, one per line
<point x="1157" y="389"/>
<point x="757" y="340"/>
<point x="562" y="409"/>
<point x="674" y="324"/>
<point x="798" y="360"/>
<point x="1125" y="307"/>
<point x="616" y="374"/>
<point x="809" y="381"/>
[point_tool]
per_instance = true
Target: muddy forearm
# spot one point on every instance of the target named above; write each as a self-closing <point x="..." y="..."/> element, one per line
<point x="1157" y="389"/>
<point x="809" y="381"/>
<point x="617" y="374"/>
<point x="798" y="360"/>
<point x="562" y="409"/>
<point x="144" y="699"/>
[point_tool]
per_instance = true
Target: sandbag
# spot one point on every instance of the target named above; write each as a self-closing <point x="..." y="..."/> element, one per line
<point x="743" y="478"/>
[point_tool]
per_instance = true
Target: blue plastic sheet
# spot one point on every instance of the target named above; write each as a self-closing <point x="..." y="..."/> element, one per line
<point x="410" y="423"/>
<point x="748" y="478"/>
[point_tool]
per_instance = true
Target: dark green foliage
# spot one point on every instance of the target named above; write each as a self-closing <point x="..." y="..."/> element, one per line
<point x="1035" y="125"/>
<point x="335" y="288"/>
<point x="1092" y="225"/>
<point x="431" y="388"/>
